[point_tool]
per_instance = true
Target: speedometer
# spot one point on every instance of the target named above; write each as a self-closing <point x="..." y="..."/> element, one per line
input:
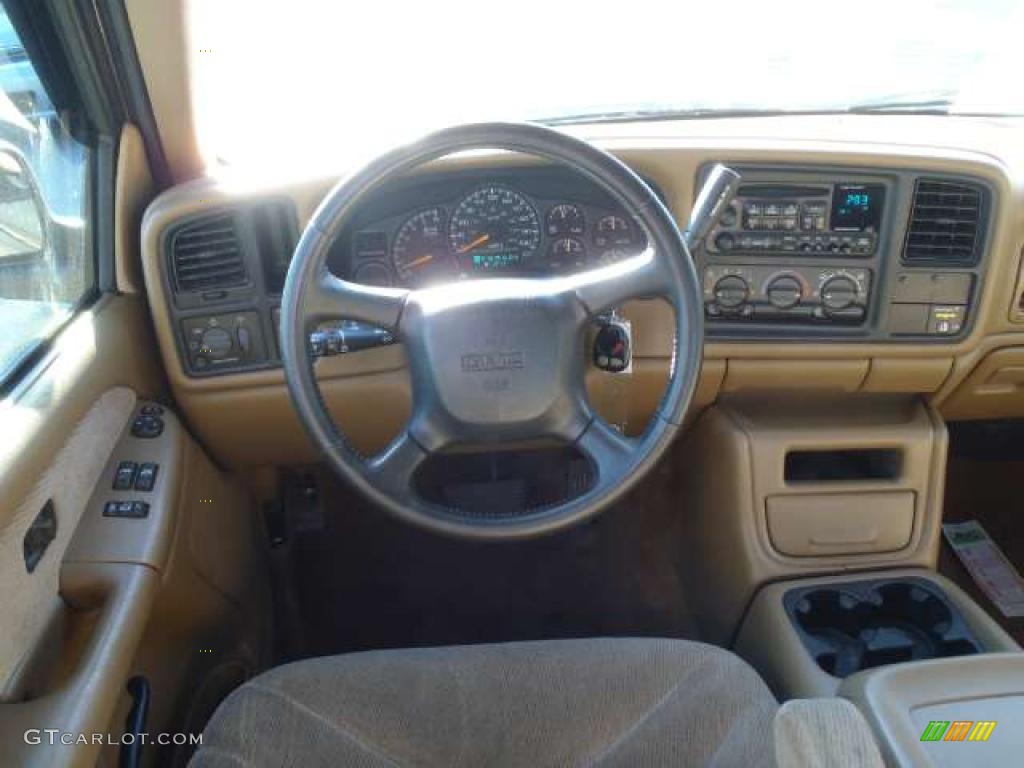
<point x="494" y="228"/>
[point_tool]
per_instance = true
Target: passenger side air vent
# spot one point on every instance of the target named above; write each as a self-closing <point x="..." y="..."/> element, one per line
<point x="945" y="223"/>
<point x="207" y="254"/>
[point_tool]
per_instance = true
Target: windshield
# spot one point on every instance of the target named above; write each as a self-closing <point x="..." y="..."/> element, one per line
<point x="309" y="80"/>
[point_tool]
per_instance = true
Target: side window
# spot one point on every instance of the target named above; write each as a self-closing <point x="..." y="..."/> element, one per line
<point x="46" y="263"/>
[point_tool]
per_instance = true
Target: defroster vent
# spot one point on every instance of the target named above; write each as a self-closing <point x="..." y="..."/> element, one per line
<point x="945" y="222"/>
<point x="207" y="254"/>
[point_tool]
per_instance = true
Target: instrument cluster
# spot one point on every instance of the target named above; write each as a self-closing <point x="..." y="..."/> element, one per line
<point x="518" y="225"/>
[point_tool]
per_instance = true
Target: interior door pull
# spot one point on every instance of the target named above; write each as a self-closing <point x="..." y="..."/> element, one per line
<point x="135" y="724"/>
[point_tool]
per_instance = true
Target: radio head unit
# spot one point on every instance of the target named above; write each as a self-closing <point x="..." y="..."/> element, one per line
<point x="841" y="218"/>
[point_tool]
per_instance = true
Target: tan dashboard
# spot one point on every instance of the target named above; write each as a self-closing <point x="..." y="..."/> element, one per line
<point x="245" y="418"/>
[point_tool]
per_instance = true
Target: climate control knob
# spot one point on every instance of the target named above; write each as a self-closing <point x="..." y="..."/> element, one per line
<point x="838" y="293"/>
<point x="731" y="291"/>
<point x="784" y="292"/>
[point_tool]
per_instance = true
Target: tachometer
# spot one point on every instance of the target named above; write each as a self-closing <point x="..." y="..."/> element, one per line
<point x="494" y="228"/>
<point x="420" y="252"/>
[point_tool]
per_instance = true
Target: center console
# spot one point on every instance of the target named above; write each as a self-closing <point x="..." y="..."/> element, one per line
<point x="811" y="253"/>
<point x="807" y="637"/>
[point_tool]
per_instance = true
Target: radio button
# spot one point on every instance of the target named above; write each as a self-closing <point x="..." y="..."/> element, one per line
<point x="725" y="242"/>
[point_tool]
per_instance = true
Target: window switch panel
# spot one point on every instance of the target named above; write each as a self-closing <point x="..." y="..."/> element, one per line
<point x="124" y="477"/>
<point x="146" y="478"/>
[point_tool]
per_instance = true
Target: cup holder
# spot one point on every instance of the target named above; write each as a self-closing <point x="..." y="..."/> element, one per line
<point x="859" y="625"/>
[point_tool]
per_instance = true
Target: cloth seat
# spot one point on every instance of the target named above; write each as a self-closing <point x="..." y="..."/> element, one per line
<point x="601" y="702"/>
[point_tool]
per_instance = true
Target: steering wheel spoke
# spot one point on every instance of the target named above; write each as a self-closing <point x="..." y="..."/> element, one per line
<point x="331" y="298"/>
<point x="639" y="277"/>
<point x="394" y="469"/>
<point x="611" y="452"/>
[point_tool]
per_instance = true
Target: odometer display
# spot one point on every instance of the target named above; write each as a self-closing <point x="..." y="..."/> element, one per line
<point x="494" y="228"/>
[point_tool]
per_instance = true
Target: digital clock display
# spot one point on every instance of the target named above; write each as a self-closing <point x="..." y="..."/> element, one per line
<point x="857" y="207"/>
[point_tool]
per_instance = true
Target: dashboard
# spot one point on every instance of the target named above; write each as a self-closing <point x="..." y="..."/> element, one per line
<point x="862" y="255"/>
<point x="449" y="227"/>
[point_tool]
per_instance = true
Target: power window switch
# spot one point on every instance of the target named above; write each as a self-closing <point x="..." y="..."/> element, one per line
<point x="146" y="478"/>
<point x="125" y="476"/>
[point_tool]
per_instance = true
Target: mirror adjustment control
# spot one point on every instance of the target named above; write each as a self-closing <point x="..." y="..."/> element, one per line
<point x="147" y="426"/>
<point x="124" y="477"/>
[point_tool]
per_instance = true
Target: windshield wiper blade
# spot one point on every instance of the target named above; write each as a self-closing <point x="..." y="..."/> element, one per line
<point x="659" y="114"/>
<point x="928" y="103"/>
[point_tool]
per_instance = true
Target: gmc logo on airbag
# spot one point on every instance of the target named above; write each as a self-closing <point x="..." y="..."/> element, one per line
<point x="493" y="361"/>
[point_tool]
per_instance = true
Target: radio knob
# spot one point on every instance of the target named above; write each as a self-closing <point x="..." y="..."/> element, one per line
<point x="731" y="291"/>
<point x="725" y="241"/>
<point x="784" y="292"/>
<point x="216" y="343"/>
<point x="838" y="293"/>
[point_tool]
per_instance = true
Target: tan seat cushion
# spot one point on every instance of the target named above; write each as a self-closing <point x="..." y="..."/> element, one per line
<point x="567" y="702"/>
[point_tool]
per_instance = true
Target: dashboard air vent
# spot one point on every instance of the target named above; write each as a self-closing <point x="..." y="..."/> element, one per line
<point x="208" y="254"/>
<point x="945" y="222"/>
<point x="275" y="232"/>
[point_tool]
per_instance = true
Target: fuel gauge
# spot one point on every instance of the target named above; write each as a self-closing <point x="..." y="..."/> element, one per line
<point x="565" y="219"/>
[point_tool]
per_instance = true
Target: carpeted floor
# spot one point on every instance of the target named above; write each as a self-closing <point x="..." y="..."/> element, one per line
<point x="366" y="581"/>
<point x="983" y="483"/>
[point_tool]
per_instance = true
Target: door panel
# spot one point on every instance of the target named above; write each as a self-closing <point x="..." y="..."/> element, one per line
<point x="29" y="598"/>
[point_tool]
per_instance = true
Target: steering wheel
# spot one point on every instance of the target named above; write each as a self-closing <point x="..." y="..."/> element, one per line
<point x="500" y="360"/>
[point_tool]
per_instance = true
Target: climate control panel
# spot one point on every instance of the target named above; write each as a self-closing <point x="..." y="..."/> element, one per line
<point x="770" y="293"/>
